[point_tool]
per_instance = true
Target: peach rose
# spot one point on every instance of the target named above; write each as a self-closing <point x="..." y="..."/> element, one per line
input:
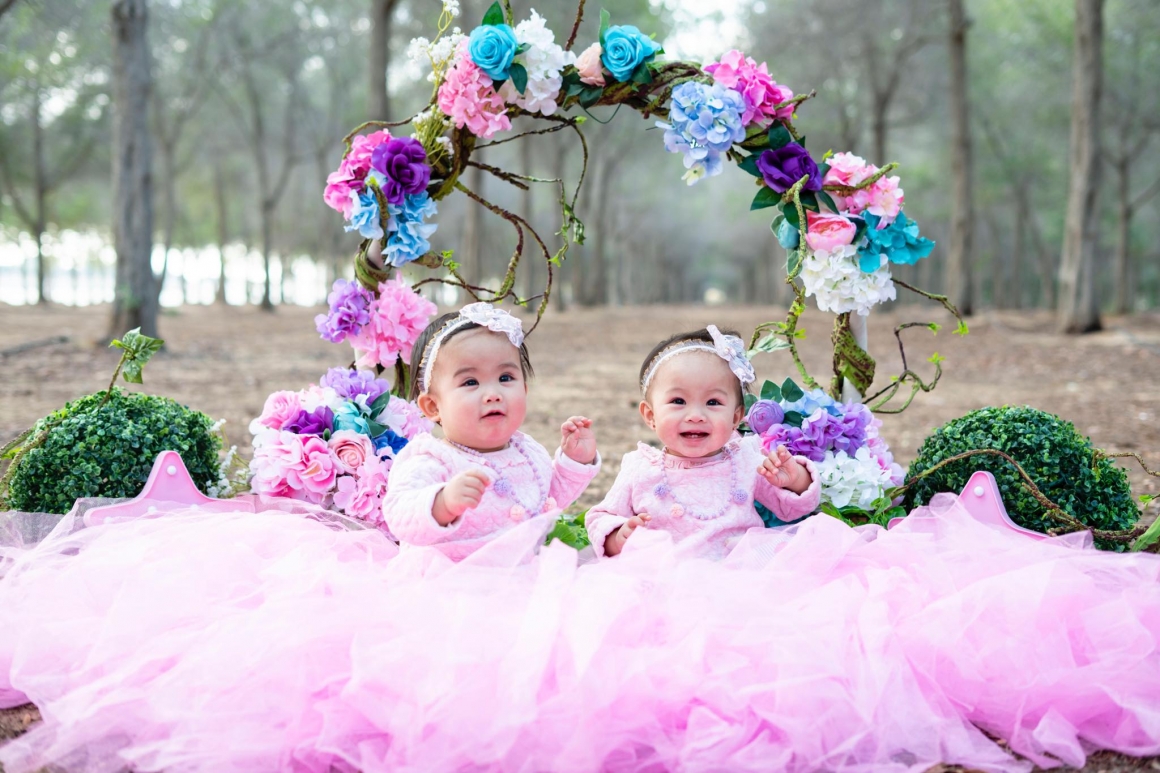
<point x="350" y="450"/>
<point x="589" y="65"/>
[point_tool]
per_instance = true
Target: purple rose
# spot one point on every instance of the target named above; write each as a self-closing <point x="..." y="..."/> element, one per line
<point x="763" y="414"/>
<point x="403" y="163"/>
<point x="783" y="167"/>
<point x="350" y="307"/>
<point x="794" y="441"/>
<point x="349" y="384"/>
<point x="313" y="423"/>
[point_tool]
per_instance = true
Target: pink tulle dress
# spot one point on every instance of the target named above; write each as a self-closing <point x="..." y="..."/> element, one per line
<point x="266" y="640"/>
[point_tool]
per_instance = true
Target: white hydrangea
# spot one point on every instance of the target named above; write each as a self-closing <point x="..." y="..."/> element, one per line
<point x="543" y="60"/>
<point x="839" y="285"/>
<point x="855" y="480"/>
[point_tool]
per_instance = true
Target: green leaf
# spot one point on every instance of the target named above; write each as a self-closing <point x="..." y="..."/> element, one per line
<point x="376" y="429"/>
<point x="380" y="402"/>
<point x="936" y="358"/>
<point x="569" y="531"/>
<point x="859" y="229"/>
<point x="790" y="211"/>
<point x="494" y="16"/>
<point x="137" y="350"/>
<point x="770" y="391"/>
<point x="522" y="48"/>
<point x="827" y="200"/>
<point x="934" y="327"/>
<point x="793" y="419"/>
<point x="779" y="136"/>
<point x="642" y="74"/>
<point x="822" y="169"/>
<point x="791" y="392"/>
<point x="962" y="329"/>
<point x="605" y="21"/>
<point x="831" y="511"/>
<point x="574" y="88"/>
<point x="766" y="197"/>
<point x="591" y="95"/>
<point x="810" y="201"/>
<point x="519" y="76"/>
<point x="895" y="512"/>
<point x="1149" y="537"/>
<point x="801" y="140"/>
<point x="770" y="342"/>
<point x="749" y="165"/>
<point x="749" y="401"/>
<point x="795" y="259"/>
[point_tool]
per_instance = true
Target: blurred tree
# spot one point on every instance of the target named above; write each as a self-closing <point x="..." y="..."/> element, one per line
<point x="959" y="255"/>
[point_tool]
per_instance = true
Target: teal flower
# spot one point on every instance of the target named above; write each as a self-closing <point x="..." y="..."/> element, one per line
<point x="349" y="416"/>
<point x="899" y="242"/>
<point x="625" y="47"/>
<point x="492" y="47"/>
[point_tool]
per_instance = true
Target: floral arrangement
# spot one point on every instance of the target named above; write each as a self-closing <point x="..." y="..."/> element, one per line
<point x="382" y="328"/>
<point x="332" y="443"/>
<point x="855" y="466"/>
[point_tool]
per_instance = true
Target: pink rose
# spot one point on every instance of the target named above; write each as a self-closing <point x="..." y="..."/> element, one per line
<point x="350" y="450"/>
<point x="362" y="146"/>
<point x="884" y="198"/>
<point x="848" y="169"/>
<point x="289" y="465"/>
<point x="279" y="410"/>
<point x="314" y="471"/>
<point x="589" y="65"/>
<point x="826" y="232"/>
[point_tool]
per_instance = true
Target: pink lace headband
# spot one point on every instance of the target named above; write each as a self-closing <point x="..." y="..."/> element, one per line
<point x="727" y="347"/>
<point x="482" y="314"/>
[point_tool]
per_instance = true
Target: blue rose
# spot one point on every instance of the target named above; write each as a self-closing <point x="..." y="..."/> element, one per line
<point x="787" y="236"/>
<point x="348" y="416"/>
<point x="625" y="47"/>
<point x="364" y="218"/>
<point x="492" y="47"/>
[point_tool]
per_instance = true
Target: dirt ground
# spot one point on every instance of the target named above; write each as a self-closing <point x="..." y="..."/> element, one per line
<point x="225" y="360"/>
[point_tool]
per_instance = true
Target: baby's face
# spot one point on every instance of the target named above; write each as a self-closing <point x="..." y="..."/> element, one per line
<point x="478" y="393"/>
<point x="692" y="404"/>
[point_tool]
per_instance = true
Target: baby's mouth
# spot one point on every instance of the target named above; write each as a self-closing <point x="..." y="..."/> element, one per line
<point x="694" y="435"/>
<point x="494" y="414"/>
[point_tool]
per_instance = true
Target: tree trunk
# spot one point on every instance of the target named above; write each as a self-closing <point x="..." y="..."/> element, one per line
<point x="1077" y="310"/>
<point x="532" y="256"/>
<point x="600" y="273"/>
<point x="135" y="299"/>
<point x="169" y="184"/>
<point x="378" y="103"/>
<point x="1122" y="301"/>
<point x="219" y="184"/>
<point x="564" y="271"/>
<point x="267" y="247"/>
<point x="962" y="208"/>
<point x="472" y="231"/>
<point x="42" y="183"/>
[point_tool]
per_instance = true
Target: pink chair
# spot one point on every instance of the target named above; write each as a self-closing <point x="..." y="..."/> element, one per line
<point x="981" y="498"/>
<point x="169" y="488"/>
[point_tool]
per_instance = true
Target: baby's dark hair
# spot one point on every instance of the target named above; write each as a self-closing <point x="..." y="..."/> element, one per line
<point x="680" y="338"/>
<point x="419" y="352"/>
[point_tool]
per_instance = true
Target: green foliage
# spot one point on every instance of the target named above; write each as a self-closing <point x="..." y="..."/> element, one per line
<point x="570" y="531"/>
<point x="108" y="451"/>
<point x="138" y="349"/>
<point x="1050" y="450"/>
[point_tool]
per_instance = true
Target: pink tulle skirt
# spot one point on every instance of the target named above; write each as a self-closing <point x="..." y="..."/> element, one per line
<point x="282" y="641"/>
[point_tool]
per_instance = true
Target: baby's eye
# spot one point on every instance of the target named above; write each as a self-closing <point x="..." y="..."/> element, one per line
<point x="715" y="401"/>
<point x="470" y="382"/>
<point x="677" y="401"/>
<point x="505" y="378"/>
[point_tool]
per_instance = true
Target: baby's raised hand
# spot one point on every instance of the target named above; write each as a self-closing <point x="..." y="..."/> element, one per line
<point x="614" y="542"/>
<point x="578" y="440"/>
<point x="783" y="471"/>
<point x="461" y="493"/>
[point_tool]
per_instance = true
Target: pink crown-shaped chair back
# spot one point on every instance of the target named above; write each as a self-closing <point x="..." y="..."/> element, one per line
<point x="981" y="498"/>
<point x="169" y="488"/>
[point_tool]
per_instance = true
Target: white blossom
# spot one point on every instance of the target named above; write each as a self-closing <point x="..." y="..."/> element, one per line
<point x="834" y="278"/>
<point x="543" y="61"/>
<point x="855" y="480"/>
<point x="451" y="7"/>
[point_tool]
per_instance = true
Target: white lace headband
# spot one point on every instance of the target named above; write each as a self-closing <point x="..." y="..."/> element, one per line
<point x="482" y="314"/>
<point x="727" y="347"/>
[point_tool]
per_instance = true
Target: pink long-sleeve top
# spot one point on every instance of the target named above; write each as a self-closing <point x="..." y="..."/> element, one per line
<point x="525" y="482"/>
<point x="706" y="503"/>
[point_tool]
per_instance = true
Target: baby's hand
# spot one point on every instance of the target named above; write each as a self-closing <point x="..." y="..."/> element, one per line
<point x="783" y="471"/>
<point x="614" y="543"/>
<point x="578" y="440"/>
<point x="461" y="493"/>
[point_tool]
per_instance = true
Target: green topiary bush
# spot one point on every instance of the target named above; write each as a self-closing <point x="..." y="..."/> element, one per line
<point x="1049" y="449"/>
<point x="108" y="451"/>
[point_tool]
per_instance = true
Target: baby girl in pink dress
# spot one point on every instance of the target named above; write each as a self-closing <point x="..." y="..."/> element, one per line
<point x="484" y="476"/>
<point x="701" y="485"/>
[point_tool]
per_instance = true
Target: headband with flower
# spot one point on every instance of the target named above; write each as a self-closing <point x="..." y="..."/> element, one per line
<point x="728" y="347"/>
<point x="483" y="314"/>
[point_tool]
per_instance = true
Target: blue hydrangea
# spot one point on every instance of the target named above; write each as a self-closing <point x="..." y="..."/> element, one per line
<point x="409" y="232"/>
<point x="389" y="440"/>
<point x="899" y="242"/>
<point x="704" y="122"/>
<point x="364" y="218"/>
<point x="812" y="401"/>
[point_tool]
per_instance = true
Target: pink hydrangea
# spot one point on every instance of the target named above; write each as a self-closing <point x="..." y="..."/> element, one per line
<point x="361" y="495"/>
<point x="296" y="466"/>
<point x="846" y="169"/>
<point x="762" y="93"/>
<point x="398" y="316"/>
<point x="468" y="96"/>
<point x="884" y="198"/>
<point x="351" y="174"/>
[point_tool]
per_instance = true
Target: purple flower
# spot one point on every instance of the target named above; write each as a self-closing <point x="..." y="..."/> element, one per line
<point x="783" y="167"/>
<point x="846" y="432"/>
<point x="794" y="441"/>
<point x="763" y="414"/>
<point x="403" y="163"/>
<point x="349" y="384"/>
<point x="314" y="423"/>
<point x="349" y="310"/>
